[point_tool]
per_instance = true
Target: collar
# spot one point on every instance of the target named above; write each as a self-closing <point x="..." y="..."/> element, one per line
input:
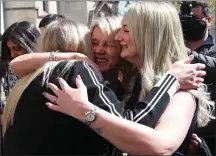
<point x="208" y="42"/>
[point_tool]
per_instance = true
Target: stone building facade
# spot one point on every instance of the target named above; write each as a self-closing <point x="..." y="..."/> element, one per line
<point x="34" y="11"/>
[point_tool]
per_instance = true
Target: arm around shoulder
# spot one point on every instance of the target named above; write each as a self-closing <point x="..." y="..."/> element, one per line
<point x="25" y="64"/>
<point x="139" y="139"/>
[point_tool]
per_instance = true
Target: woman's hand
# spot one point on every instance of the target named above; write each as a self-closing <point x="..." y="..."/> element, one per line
<point x="70" y="101"/>
<point x="188" y="75"/>
<point x="194" y="145"/>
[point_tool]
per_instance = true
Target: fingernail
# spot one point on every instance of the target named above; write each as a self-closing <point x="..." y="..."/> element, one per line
<point x="43" y="93"/>
<point x="79" y="77"/>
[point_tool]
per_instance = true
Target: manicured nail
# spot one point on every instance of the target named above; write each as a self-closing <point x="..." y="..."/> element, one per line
<point x="79" y="77"/>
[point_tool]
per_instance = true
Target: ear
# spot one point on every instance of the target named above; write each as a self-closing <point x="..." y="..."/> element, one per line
<point x="209" y="20"/>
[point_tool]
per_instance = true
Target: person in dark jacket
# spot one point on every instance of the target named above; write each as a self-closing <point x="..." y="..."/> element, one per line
<point x="199" y="39"/>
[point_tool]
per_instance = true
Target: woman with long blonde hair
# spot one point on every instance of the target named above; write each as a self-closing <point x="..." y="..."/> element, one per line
<point x="151" y="39"/>
<point x="28" y="126"/>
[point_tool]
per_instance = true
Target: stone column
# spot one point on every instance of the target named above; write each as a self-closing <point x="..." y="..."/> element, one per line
<point x="18" y="11"/>
<point x="75" y="10"/>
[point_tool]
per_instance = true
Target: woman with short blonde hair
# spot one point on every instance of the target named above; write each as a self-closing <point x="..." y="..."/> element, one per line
<point x="120" y="70"/>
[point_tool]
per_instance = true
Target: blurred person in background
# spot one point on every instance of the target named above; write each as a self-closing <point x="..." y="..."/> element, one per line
<point x="49" y="19"/>
<point x="196" y="21"/>
<point x="18" y="39"/>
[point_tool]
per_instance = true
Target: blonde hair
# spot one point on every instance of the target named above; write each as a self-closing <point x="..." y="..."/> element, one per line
<point x="63" y="35"/>
<point x="156" y="30"/>
<point x="110" y="26"/>
<point x="66" y="36"/>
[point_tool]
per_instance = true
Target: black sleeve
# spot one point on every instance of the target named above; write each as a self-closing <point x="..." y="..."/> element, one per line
<point x="149" y="111"/>
<point x="98" y="92"/>
<point x="210" y="63"/>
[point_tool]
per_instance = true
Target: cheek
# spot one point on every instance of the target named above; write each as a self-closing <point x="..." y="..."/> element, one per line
<point x="94" y="47"/>
<point x="114" y="55"/>
<point x="131" y="51"/>
<point x="134" y="51"/>
<point x="22" y="52"/>
<point x="132" y="48"/>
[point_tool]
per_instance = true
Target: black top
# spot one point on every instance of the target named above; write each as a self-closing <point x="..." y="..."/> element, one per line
<point x="183" y="149"/>
<point x="39" y="130"/>
<point x="206" y="46"/>
<point x="149" y="111"/>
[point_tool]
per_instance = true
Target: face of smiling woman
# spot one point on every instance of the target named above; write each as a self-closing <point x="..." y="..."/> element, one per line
<point x="129" y="49"/>
<point x="106" y="50"/>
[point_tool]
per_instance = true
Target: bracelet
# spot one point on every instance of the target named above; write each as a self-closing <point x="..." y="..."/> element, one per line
<point x="52" y="56"/>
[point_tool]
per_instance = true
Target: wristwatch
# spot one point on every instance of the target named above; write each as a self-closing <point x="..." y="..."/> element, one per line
<point x="90" y="116"/>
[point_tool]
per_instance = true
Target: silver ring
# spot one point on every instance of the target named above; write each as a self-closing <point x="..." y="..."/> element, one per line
<point x="54" y="101"/>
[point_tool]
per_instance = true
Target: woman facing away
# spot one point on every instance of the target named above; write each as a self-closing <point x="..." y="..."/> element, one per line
<point x="152" y="39"/>
<point x="18" y="39"/>
<point x="31" y="128"/>
<point x="28" y="126"/>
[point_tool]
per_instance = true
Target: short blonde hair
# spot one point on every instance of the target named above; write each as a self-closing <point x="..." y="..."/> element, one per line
<point x="66" y="36"/>
<point x="109" y="25"/>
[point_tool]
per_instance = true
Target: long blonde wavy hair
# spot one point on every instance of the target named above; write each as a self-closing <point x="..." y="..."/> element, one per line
<point x="64" y="35"/>
<point x="156" y="30"/>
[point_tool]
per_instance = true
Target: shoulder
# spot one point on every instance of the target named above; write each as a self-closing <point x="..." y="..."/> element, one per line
<point x="180" y="109"/>
<point x="83" y="68"/>
<point x="184" y="99"/>
<point x="212" y="51"/>
<point x="71" y="66"/>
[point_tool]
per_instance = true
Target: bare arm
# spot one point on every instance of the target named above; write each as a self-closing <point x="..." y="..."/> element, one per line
<point x="28" y="63"/>
<point x="139" y="139"/>
<point x="131" y="137"/>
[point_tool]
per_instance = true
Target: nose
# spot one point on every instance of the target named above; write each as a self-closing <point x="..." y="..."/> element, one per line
<point x="13" y="54"/>
<point x="99" y="49"/>
<point x="118" y="36"/>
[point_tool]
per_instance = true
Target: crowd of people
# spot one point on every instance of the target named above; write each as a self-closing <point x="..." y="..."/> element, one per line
<point x="130" y="85"/>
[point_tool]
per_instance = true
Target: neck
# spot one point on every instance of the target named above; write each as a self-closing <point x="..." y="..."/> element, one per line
<point x="139" y="64"/>
<point x="136" y="61"/>
<point x="194" y="45"/>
